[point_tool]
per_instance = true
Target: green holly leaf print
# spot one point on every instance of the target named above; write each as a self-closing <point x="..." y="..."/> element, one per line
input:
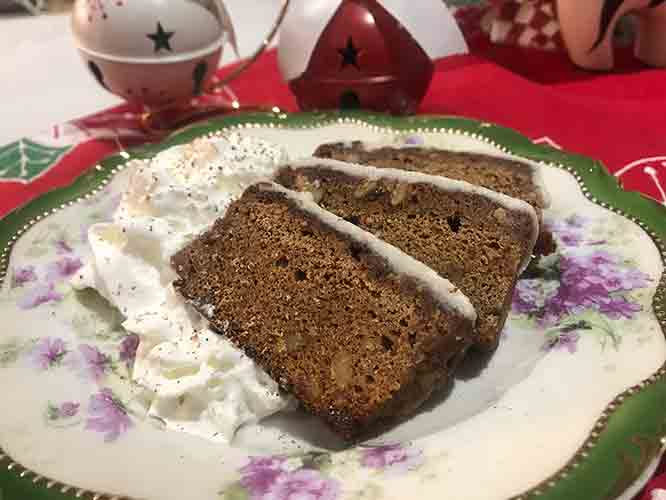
<point x="25" y="160"/>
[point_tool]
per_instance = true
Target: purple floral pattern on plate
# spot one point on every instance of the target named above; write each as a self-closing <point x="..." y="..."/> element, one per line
<point x="23" y="275"/>
<point x="260" y="473"/>
<point x="582" y="279"/>
<point x="569" y="231"/>
<point x="618" y="307"/>
<point x="305" y="477"/>
<point x="63" y="269"/>
<point x="107" y="415"/>
<point x="39" y="295"/>
<point x="526" y="296"/>
<point x="271" y="478"/>
<point x="302" y="484"/>
<point x="63" y="248"/>
<point x="55" y="273"/>
<point x="65" y="410"/>
<point x="565" y="341"/>
<point x="48" y="353"/>
<point x="595" y="281"/>
<point x="587" y="282"/>
<point x="414" y="140"/>
<point x="95" y="363"/>
<point x="128" y="347"/>
<point x="393" y="458"/>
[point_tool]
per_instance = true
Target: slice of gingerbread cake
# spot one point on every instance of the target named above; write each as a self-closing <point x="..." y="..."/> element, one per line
<point x="514" y="178"/>
<point x="479" y="239"/>
<point x="354" y="328"/>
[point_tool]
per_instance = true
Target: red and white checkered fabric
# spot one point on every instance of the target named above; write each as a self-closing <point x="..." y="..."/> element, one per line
<point x="524" y="23"/>
<point x="469" y="18"/>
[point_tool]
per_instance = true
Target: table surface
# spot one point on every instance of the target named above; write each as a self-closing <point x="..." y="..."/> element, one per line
<point x="44" y="81"/>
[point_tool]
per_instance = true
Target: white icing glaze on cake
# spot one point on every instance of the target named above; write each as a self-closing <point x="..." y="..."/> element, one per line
<point x="449" y="296"/>
<point x="443" y="183"/>
<point x="537" y="176"/>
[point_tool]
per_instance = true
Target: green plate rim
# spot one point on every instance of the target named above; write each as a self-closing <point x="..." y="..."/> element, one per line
<point x="629" y="434"/>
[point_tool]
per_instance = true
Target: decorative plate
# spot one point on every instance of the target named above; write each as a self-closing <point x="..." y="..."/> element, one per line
<point x="571" y="406"/>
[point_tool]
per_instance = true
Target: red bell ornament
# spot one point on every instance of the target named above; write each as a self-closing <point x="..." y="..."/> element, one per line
<point x="365" y="54"/>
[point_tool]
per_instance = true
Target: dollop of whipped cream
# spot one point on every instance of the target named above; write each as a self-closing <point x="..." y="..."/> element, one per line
<point x="199" y="382"/>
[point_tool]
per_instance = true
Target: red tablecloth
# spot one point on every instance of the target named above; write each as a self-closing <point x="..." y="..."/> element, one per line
<point x="619" y="118"/>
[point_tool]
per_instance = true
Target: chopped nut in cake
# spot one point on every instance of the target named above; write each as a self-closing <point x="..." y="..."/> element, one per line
<point x="354" y="328"/>
<point x="511" y="177"/>
<point x="479" y="239"/>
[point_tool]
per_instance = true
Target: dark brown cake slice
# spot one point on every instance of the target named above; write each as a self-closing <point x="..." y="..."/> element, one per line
<point x="479" y="239"/>
<point x="513" y="178"/>
<point x="355" y="329"/>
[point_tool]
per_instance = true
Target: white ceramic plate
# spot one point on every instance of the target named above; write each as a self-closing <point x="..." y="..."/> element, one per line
<point x="570" y="406"/>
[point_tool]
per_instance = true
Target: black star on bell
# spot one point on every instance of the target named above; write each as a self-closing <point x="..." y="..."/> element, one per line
<point x="350" y="55"/>
<point x="161" y="38"/>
